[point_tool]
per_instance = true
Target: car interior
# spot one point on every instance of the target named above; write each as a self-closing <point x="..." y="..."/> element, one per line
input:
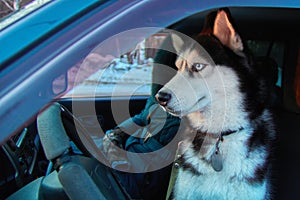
<point x="28" y="170"/>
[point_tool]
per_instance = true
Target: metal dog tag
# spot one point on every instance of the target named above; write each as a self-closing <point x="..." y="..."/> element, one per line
<point x="216" y="161"/>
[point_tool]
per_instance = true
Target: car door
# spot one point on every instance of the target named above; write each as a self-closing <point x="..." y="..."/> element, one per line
<point x="95" y="62"/>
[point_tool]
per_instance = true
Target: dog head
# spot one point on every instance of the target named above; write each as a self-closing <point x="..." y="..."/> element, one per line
<point x="207" y="86"/>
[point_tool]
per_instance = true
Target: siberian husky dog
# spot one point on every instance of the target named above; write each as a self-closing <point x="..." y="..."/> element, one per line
<point x="218" y="90"/>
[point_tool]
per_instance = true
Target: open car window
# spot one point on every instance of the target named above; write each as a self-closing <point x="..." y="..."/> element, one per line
<point x="106" y="71"/>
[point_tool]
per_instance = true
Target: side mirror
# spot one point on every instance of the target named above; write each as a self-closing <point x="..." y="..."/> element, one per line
<point x="59" y="84"/>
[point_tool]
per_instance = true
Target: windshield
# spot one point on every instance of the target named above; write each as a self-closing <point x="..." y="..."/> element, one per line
<point x="12" y="10"/>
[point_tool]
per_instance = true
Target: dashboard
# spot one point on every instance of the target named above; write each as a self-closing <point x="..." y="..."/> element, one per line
<point x="22" y="161"/>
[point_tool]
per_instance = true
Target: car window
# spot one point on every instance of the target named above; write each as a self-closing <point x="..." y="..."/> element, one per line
<point x="112" y="73"/>
<point x="12" y="11"/>
<point x="270" y="49"/>
<point x="105" y="73"/>
<point x="297" y="81"/>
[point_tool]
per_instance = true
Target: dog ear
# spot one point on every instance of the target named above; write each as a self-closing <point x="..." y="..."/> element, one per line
<point x="225" y="32"/>
<point x="177" y="42"/>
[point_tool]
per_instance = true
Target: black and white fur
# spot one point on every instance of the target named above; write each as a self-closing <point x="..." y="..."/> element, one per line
<point x="218" y="90"/>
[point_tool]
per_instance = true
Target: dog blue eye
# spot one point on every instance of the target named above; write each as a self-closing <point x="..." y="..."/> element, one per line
<point x="197" y="67"/>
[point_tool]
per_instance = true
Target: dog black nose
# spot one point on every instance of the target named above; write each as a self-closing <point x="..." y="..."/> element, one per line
<point x="163" y="98"/>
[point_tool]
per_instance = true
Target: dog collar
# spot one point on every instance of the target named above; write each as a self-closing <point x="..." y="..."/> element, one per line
<point x="216" y="159"/>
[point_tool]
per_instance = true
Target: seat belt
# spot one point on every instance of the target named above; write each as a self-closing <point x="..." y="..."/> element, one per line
<point x="174" y="173"/>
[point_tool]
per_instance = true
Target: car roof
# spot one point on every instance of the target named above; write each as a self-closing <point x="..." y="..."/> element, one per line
<point x="54" y="15"/>
<point x="38" y="24"/>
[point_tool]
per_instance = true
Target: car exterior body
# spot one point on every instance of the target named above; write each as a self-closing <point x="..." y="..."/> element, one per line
<point x="45" y="44"/>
